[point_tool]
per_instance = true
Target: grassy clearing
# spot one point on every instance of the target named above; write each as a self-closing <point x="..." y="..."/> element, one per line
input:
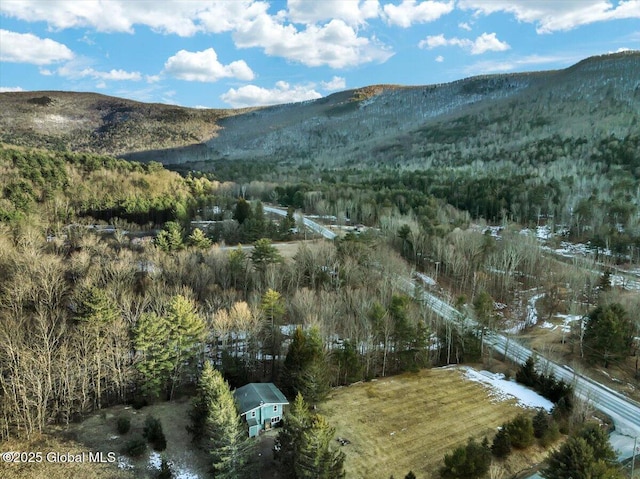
<point x="409" y="422"/>
<point x="98" y="433"/>
<point x="48" y="470"/>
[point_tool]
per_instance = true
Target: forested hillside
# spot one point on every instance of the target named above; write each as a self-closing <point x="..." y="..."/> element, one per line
<point x="94" y="123"/>
<point x="492" y="118"/>
<point x="83" y="308"/>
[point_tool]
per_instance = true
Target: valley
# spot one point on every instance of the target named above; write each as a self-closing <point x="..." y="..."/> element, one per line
<point x="373" y="254"/>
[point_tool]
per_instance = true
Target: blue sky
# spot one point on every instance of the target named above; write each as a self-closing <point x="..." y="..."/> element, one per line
<point x="220" y="54"/>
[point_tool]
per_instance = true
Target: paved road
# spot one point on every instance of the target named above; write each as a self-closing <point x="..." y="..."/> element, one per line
<point x="312" y="225"/>
<point x="624" y="411"/>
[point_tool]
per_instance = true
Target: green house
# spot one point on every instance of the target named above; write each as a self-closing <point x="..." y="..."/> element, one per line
<point x="261" y="405"/>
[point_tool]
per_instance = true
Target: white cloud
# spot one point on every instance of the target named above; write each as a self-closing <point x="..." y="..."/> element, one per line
<point x="283" y="92"/>
<point x="28" y="48"/>
<point x="336" y="83"/>
<point x="355" y="12"/>
<point x="204" y="67"/>
<point x="227" y="16"/>
<point x="152" y="78"/>
<point x="551" y="16"/>
<point x="168" y="16"/>
<point x="335" y="44"/>
<point x="464" y="26"/>
<point x="522" y="63"/>
<point x="434" y="41"/>
<point x="411" y="11"/>
<point x="488" y="42"/>
<point x="101" y="84"/>
<point x="439" y="58"/>
<point x="117" y="75"/>
<point x="76" y="69"/>
<point x="6" y="89"/>
<point x="484" y="43"/>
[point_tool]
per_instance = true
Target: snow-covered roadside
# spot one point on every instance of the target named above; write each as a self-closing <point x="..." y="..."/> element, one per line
<point x="501" y="389"/>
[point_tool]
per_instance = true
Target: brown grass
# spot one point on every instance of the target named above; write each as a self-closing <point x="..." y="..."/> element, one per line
<point x="409" y="422"/>
<point x="47" y="470"/>
<point x="98" y="433"/>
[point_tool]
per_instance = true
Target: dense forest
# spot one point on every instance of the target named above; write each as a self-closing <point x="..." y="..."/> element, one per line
<point x="83" y="309"/>
<point x="89" y="295"/>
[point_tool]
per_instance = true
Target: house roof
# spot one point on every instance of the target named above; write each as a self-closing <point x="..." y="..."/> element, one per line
<point x="254" y="395"/>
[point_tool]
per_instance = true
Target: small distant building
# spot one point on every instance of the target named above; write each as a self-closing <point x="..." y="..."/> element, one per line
<point x="261" y="405"/>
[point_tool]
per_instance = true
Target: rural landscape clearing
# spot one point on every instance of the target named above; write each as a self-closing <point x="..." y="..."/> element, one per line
<point x="409" y="422"/>
<point x="332" y="239"/>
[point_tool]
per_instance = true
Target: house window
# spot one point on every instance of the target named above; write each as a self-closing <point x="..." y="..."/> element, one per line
<point x="253" y="413"/>
<point x="275" y="408"/>
<point x="275" y="419"/>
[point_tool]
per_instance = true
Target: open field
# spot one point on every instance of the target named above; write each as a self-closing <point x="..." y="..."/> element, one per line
<point x="409" y="422"/>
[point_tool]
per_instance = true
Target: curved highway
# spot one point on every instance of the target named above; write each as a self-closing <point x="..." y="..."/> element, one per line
<point x="624" y="411"/>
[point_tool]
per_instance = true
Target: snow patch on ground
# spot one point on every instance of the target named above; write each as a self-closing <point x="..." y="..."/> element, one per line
<point x="124" y="463"/>
<point x="624" y="283"/>
<point x="155" y="460"/>
<point x="428" y="280"/>
<point x="542" y="233"/>
<point x="493" y="231"/>
<point x="548" y="325"/>
<point x="532" y="312"/>
<point x="503" y="390"/>
<point x="181" y="472"/>
<point x="532" y="316"/>
<point x="567" y="319"/>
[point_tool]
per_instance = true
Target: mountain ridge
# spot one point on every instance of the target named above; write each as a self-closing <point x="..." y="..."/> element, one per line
<point x="382" y="124"/>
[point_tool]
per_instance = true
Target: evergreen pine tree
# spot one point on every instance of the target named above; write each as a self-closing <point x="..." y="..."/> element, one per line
<point x="501" y="446"/>
<point x="305" y="368"/>
<point x="264" y="254"/>
<point x="272" y="306"/>
<point x="585" y="456"/>
<point x="316" y="459"/>
<point x="573" y="460"/>
<point x="187" y="331"/>
<point x="197" y="239"/>
<point x="527" y="374"/>
<point x="520" y="431"/>
<point x="540" y="423"/>
<point x="598" y="439"/>
<point x="287" y="443"/>
<point x="609" y="334"/>
<point x="96" y="313"/>
<point x="170" y="238"/>
<point x="226" y="440"/>
<point x="166" y="343"/>
<point x="150" y="338"/>
<point x="242" y="211"/>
